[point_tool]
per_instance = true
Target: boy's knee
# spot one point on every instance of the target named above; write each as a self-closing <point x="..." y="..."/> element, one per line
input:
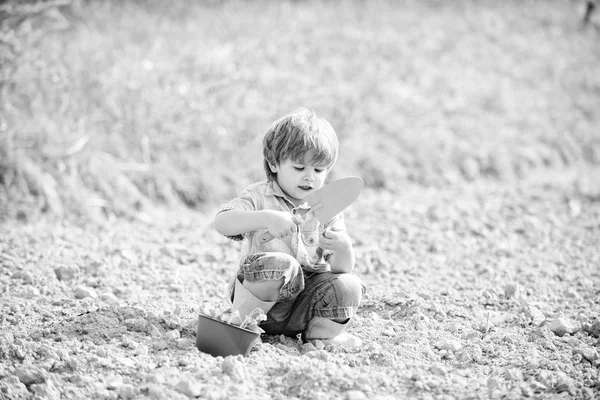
<point x="264" y="290"/>
<point x="350" y="287"/>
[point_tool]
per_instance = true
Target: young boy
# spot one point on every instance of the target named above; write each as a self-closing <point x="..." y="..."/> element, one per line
<point x="302" y="278"/>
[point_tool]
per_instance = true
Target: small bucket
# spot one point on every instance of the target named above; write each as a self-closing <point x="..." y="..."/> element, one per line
<point x="219" y="338"/>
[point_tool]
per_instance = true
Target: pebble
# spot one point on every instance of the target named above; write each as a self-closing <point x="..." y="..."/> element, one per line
<point x="308" y="347"/>
<point x="126" y="391"/>
<point x="355" y="395"/>
<point x="109" y="297"/>
<point x="472" y="335"/>
<point x="562" y="325"/>
<point x="66" y="272"/>
<point x="101" y="352"/>
<point x="388" y="331"/>
<point x="113" y="382"/>
<point x="451" y="345"/>
<point x="154" y="331"/>
<point x="588" y="352"/>
<point x="29" y="375"/>
<point x="493" y="382"/>
<point x="319" y="345"/>
<point x="594" y="329"/>
<point x="513" y="374"/>
<point x="185" y="343"/>
<point x="189" y="388"/>
<point x="173" y="335"/>
<point x="564" y="383"/>
<point x="81" y="292"/>
<point x="437" y="369"/>
<point x="510" y="290"/>
<point x="536" y="315"/>
<point x="25" y="276"/>
<point x="138" y="324"/>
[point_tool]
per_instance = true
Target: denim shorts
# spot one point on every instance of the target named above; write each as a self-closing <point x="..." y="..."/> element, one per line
<point x="304" y="294"/>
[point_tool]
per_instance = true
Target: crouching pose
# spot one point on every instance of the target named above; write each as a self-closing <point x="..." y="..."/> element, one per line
<point x="302" y="278"/>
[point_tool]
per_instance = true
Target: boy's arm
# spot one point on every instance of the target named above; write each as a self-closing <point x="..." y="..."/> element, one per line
<point x="235" y="222"/>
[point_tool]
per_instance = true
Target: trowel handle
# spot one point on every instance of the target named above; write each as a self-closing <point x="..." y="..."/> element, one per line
<point x="267" y="236"/>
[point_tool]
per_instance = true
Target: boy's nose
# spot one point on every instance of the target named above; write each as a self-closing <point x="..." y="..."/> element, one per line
<point x="309" y="177"/>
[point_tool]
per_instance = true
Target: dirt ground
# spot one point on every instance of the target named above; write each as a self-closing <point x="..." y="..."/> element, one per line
<point x="483" y="290"/>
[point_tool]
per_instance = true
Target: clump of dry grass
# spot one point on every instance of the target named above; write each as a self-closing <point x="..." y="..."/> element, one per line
<point x="115" y="107"/>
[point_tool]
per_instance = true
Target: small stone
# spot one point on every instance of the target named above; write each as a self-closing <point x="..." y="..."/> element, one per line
<point x="126" y="391"/>
<point x="451" y="345"/>
<point x="101" y="352"/>
<point x="138" y="324"/>
<point x="439" y="370"/>
<point x="81" y="292"/>
<point x="571" y="293"/>
<point x="173" y="335"/>
<point x="388" y="332"/>
<point x="510" y="290"/>
<point x="536" y="315"/>
<point x="109" y="297"/>
<point x="355" y="395"/>
<point x="189" y="388"/>
<point x="588" y="352"/>
<point x="562" y="325"/>
<point x="29" y="375"/>
<point x="319" y="344"/>
<point x="538" y="387"/>
<point x="308" y="347"/>
<point x="113" y="382"/>
<point x="594" y="329"/>
<point x="25" y="276"/>
<point x="185" y="343"/>
<point x="472" y="335"/>
<point x="513" y="374"/>
<point x="564" y="383"/>
<point x="154" y="331"/>
<point x="493" y="382"/>
<point x="66" y="272"/>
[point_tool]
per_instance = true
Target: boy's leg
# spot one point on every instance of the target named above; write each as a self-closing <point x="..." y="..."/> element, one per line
<point x="264" y="279"/>
<point x="324" y="308"/>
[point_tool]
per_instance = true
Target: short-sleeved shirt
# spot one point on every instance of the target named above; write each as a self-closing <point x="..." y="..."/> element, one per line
<point x="303" y="245"/>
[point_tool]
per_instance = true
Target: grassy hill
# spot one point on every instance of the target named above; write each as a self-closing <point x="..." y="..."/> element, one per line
<point x="111" y="108"/>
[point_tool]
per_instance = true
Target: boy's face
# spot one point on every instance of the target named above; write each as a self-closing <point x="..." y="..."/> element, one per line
<point x="298" y="179"/>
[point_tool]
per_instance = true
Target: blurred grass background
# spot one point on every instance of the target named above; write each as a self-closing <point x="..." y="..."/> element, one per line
<point x="110" y="108"/>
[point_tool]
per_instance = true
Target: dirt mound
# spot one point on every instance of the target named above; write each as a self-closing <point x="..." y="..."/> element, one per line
<point x="473" y="292"/>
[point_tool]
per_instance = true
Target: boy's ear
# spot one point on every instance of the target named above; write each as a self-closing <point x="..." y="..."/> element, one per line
<point x="273" y="168"/>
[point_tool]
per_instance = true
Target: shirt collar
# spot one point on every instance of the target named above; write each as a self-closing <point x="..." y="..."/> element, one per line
<point x="274" y="189"/>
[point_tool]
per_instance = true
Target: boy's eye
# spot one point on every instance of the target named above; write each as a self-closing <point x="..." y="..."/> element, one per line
<point x="318" y="170"/>
<point x="299" y="168"/>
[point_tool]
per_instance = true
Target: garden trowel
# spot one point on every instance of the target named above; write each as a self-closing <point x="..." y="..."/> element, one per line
<point x="330" y="200"/>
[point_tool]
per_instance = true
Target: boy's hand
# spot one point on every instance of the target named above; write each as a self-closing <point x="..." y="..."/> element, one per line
<point x="335" y="240"/>
<point x="280" y="223"/>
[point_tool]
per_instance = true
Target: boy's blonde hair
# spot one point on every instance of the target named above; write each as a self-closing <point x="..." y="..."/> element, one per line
<point x="292" y="136"/>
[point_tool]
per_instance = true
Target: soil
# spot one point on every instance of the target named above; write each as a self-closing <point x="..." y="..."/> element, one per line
<point x="483" y="290"/>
